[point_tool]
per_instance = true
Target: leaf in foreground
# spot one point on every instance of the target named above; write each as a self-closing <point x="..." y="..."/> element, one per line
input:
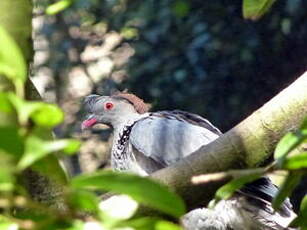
<point x="254" y="9"/>
<point x="143" y="190"/>
<point x="228" y="189"/>
<point x="288" y="143"/>
<point x="47" y="115"/>
<point x="36" y="149"/>
<point x="295" y="162"/>
<point x="12" y="63"/>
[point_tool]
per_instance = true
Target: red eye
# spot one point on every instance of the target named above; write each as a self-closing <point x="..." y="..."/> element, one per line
<point x="109" y="105"/>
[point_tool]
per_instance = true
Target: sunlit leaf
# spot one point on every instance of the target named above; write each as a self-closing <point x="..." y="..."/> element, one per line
<point x="5" y="104"/>
<point x="72" y="146"/>
<point x="16" y="18"/>
<point x="43" y="114"/>
<point x="254" y="9"/>
<point x="288" y="143"/>
<point x="47" y="115"/>
<point x="58" y="6"/>
<point x="286" y="189"/>
<point x="228" y="189"/>
<point x="24" y="109"/>
<point x="36" y="149"/>
<point x="295" y="162"/>
<point x="141" y="189"/>
<point x="12" y="64"/>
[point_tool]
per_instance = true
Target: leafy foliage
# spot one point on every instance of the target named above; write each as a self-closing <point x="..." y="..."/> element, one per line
<point x="157" y="196"/>
<point x="227" y="190"/>
<point x="24" y="145"/>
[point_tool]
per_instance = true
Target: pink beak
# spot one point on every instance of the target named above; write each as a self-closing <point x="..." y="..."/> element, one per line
<point x="88" y="123"/>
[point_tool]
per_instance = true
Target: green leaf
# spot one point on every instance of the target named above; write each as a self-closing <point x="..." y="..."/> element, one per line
<point x="42" y="114"/>
<point x="228" y="189"/>
<point x="12" y="63"/>
<point x="254" y="9"/>
<point x="71" y="146"/>
<point x="301" y="219"/>
<point x="16" y="18"/>
<point x="286" y="189"/>
<point x="23" y="108"/>
<point x="5" y="104"/>
<point x="36" y="149"/>
<point x="47" y="115"/>
<point x="288" y="143"/>
<point x="143" y="190"/>
<point x="83" y="200"/>
<point x="58" y="7"/>
<point x="295" y="162"/>
<point x="11" y="142"/>
<point x="150" y="223"/>
<point x="7" y="179"/>
<point x="304" y="124"/>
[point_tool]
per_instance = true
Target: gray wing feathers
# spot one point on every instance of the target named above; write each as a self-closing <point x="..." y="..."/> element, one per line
<point x="168" y="140"/>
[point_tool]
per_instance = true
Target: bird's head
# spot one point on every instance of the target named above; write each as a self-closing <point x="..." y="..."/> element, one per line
<point x="112" y="110"/>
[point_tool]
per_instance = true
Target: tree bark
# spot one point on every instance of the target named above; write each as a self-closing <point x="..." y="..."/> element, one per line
<point x="247" y="145"/>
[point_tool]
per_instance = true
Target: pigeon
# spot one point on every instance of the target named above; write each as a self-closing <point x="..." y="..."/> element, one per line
<point x="145" y="142"/>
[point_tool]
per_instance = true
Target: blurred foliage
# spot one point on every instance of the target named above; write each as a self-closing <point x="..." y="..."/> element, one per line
<point x="23" y="144"/>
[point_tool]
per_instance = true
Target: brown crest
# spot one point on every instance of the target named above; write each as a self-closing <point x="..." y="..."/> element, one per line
<point x="139" y="105"/>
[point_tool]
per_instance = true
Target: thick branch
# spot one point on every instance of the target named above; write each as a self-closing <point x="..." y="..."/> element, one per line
<point x="247" y="145"/>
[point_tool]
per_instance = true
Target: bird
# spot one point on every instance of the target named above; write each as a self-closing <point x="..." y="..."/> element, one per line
<point x="145" y="142"/>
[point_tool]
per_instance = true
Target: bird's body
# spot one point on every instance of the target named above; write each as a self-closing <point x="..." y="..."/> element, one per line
<point x="145" y="142"/>
<point x="173" y="135"/>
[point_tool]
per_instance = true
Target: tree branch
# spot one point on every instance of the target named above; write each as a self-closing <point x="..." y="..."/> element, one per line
<point x="247" y="145"/>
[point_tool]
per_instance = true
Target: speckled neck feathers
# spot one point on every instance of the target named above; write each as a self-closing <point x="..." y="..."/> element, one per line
<point x="120" y="154"/>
